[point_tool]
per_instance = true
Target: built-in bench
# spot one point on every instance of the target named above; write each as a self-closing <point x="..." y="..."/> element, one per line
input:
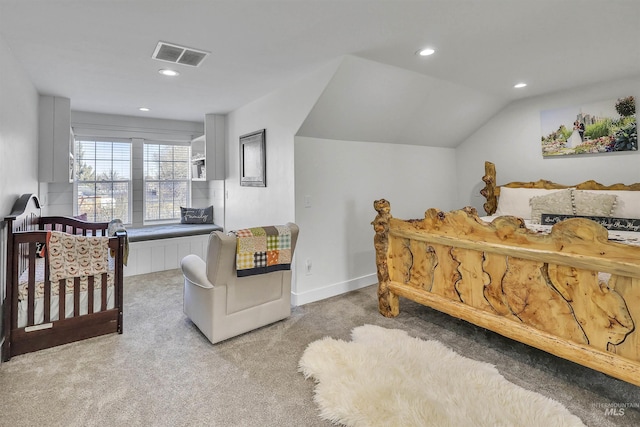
<point x="162" y="247"/>
<point x="168" y="231"/>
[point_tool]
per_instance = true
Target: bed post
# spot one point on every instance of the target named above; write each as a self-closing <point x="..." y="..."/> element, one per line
<point x="388" y="303"/>
<point x="489" y="191"/>
<point x="16" y="220"/>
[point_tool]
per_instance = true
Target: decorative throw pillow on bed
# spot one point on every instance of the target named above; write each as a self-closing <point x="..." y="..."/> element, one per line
<point x="196" y="215"/>
<point x="592" y="204"/>
<point x="627" y="202"/>
<point x="559" y="203"/>
<point x="515" y="201"/>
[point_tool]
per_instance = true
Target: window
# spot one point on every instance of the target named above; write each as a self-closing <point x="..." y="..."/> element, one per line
<point x="166" y="181"/>
<point x="103" y="179"/>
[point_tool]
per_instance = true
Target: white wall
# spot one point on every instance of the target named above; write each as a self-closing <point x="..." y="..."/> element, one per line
<point x="18" y="145"/>
<point x="281" y="114"/>
<point x="18" y="131"/>
<point x="511" y="140"/>
<point x="336" y="184"/>
<point x="216" y="198"/>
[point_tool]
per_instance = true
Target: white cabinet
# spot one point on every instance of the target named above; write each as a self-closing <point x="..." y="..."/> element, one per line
<point x="198" y="159"/>
<point x="54" y="139"/>
<point x="208" y="151"/>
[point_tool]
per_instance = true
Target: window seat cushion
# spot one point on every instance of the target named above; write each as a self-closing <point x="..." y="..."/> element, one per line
<point x="167" y="231"/>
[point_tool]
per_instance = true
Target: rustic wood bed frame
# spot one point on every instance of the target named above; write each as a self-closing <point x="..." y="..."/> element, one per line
<point x="544" y="290"/>
<point x="26" y="228"/>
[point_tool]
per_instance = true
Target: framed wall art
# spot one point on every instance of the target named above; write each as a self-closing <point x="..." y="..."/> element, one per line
<point x="599" y="127"/>
<point x="253" y="162"/>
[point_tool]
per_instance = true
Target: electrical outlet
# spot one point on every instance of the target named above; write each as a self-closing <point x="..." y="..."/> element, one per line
<point x="308" y="266"/>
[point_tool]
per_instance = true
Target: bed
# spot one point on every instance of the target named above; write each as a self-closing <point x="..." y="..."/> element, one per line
<point x="64" y="279"/>
<point x="557" y="279"/>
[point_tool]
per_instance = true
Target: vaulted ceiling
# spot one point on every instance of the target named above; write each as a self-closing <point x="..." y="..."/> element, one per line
<point x="98" y="54"/>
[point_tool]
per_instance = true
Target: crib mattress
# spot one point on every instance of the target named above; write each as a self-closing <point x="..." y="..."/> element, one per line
<point x="55" y="288"/>
<point x="69" y="286"/>
<point x="69" y="309"/>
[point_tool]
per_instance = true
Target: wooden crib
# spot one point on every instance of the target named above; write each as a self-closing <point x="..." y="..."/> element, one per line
<point x="39" y="313"/>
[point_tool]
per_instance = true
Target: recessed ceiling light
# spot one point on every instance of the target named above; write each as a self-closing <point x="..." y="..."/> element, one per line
<point x="144" y="109"/>
<point x="168" y="72"/>
<point x="519" y="85"/>
<point x="425" y="52"/>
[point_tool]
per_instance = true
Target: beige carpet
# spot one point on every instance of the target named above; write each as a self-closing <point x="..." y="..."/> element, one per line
<point x="163" y="372"/>
<point x="384" y="377"/>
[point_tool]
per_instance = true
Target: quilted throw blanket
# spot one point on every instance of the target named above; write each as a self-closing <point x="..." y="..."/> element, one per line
<point x="263" y="250"/>
<point x="76" y="256"/>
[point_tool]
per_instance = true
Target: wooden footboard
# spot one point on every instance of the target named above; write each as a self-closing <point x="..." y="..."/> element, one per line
<point x="571" y="293"/>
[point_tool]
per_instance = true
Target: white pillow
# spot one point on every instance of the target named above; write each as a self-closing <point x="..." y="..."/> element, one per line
<point x="559" y="203"/>
<point x="515" y="201"/>
<point x="627" y="202"/>
<point x="593" y="203"/>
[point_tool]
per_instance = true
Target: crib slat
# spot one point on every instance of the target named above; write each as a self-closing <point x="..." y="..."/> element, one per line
<point x="22" y="257"/>
<point x="90" y="295"/>
<point x="47" y="303"/>
<point x="47" y="292"/>
<point x="76" y="296"/>
<point x="62" y="291"/>
<point x="31" y="283"/>
<point x="12" y="288"/>
<point x="103" y="291"/>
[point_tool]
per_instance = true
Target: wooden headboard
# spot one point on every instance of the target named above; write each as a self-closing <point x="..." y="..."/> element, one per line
<point x="24" y="214"/>
<point x="491" y="190"/>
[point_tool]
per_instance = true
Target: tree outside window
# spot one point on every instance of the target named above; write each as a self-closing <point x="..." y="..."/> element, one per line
<point x="103" y="179"/>
<point x="166" y="181"/>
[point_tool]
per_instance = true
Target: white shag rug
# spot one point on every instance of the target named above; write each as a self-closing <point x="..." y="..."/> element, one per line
<point x="384" y="377"/>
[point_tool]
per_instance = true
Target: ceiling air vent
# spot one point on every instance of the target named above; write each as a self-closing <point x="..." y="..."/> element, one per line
<point x="178" y="54"/>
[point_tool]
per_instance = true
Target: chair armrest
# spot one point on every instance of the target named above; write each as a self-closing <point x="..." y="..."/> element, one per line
<point x="194" y="270"/>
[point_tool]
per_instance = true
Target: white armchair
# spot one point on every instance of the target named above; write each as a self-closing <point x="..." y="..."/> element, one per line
<point x="223" y="305"/>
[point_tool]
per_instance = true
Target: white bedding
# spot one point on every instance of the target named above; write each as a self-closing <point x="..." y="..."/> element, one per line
<point x="68" y="306"/>
<point x="626" y="237"/>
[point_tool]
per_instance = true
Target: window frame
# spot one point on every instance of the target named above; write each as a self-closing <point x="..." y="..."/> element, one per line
<point x="187" y="181"/>
<point x="129" y="181"/>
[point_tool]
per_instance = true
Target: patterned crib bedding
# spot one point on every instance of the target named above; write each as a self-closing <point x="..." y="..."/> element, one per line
<point x="23" y="282"/>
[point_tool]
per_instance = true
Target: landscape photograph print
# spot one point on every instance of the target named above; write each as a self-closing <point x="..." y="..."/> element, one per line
<point x="600" y="127"/>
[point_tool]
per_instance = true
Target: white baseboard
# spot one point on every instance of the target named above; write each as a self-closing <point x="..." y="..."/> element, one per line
<point x="333" y="290"/>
